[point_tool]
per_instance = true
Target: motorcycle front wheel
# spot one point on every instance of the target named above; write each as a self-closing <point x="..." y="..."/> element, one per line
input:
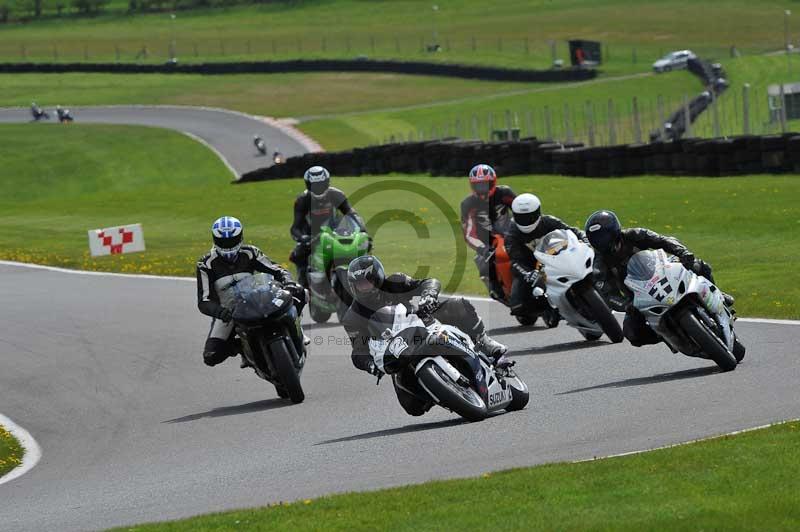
<point x="462" y="400"/>
<point x="284" y="368"/>
<point x="708" y="342"/>
<point x="600" y="313"/>
<point x="317" y="314"/>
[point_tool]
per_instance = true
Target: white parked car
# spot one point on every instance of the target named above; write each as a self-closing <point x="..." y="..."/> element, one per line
<point x="673" y="61"/>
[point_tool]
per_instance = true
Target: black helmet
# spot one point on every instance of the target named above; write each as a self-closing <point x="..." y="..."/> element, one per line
<point x="604" y="230"/>
<point x="365" y="275"/>
<point x="318" y="180"/>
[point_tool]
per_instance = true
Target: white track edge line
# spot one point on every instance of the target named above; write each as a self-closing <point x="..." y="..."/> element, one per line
<point x="681" y="444"/>
<point x="214" y="150"/>
<point x="32" y="455"/>
<point x="192" y="279"/>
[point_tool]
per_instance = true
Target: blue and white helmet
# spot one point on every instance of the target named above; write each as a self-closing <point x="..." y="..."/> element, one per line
<point x="227" y="233"/>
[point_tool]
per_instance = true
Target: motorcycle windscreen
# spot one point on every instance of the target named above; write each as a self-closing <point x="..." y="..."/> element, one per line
<point x="345" y="226"/>
<point x="258" y="297"/>
<point x="643" y="265"/>
<point x="553" y="243"/>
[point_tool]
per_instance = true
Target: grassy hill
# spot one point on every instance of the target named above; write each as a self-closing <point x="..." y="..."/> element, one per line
<point x="517" y="33"/>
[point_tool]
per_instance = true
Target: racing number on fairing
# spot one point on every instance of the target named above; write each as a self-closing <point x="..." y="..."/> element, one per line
<point x="660" y="290"/>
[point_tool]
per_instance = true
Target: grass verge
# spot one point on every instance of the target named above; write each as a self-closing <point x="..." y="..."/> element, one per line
<point x="10" y="451"/>
<point x="98" y="176"/>
<point x="743" y="482"/>
<point x="512" y="33"/>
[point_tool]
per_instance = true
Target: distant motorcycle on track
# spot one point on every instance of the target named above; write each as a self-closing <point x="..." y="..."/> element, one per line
<point x="260" y="145"/>
<point x="64" y="115"/>
<point x="439" y="363"/>
<point x="39" y="113"/>
<point x="686" y="310"/>
<point x="567" y="264"/>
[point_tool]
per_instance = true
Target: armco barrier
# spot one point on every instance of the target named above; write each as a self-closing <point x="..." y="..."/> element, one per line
<point x="453" y="157"/>
<point x="311" y="65"/>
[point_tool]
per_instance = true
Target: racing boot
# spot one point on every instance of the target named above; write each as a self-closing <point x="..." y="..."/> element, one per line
<point x="494" y="350"/>
<point x="551" y="316"/>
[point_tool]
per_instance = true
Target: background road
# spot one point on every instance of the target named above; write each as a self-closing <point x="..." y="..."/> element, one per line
<point x="106" y="373"/>
<point x="229" y="133"/>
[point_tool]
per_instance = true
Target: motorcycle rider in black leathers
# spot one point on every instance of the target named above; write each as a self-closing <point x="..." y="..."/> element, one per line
<point x="372" y="289"/>
<point x="484" y="213"/>
<point x="226" y="261"/>
<point x="521" y="239"/>
<point x="315" y="207"/>
<point x="614" y="247"/>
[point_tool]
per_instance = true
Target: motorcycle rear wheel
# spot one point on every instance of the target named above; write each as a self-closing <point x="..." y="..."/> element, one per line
<point x="600" y="313"/>
<point x="462" y="400"/>
<point x="708" y="342"/>
<point x="284" y="367"/>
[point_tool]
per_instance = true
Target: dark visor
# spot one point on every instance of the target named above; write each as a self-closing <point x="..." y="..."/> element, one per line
<point x="318" y="188"/>
<point x="364" y="286"/>
<point x="602" y="240"/>
<point x="482" y="188"/>
<point x="229" y="242"/>
<point x="527" y="218"/>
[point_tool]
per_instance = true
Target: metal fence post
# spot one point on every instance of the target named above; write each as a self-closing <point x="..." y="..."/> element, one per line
<point x="612" y="126"/>
<point x="637" y="125"/>
<point x="687" y="117"/>
<point x="589" y="119"/>
<point x="548" y="123"/>
<point x="528" y="124"/>
<point x="567" y="123"/>
<point x="746" y="109"/>
<point x="490" y="124"/>
<point x="508" y="124"/>
<point x="475" y="134"/>
<point x="715" y="114"/>
<point x="783" y="109"/>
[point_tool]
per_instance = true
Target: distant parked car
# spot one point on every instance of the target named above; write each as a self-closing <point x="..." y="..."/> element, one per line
<point x="673" y="61"/>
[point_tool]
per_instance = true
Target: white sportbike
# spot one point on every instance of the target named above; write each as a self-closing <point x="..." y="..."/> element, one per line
<point x="439" y="363"/>
<point x="567" y="264"/>
<point x="686" y="310"/>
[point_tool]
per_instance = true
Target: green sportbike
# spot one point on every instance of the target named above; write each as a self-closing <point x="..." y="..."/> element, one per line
<point x="332" y="250"/>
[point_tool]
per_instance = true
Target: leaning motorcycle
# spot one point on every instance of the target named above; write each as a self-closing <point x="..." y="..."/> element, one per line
<point x="505" y="278"/>
<point x="567" y="265"/>
<point x="439" y="363"/>
<point x="686" y="310"/>
<point x="333" y="249"/>
<point x="268" y="326"/>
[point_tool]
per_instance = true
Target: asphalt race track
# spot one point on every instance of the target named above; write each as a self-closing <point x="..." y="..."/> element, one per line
<point x="106" y="373"/>
<point x="229" y="133"/>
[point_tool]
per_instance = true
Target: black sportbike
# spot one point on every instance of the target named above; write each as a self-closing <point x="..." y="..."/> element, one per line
<point x="268" y="326"/>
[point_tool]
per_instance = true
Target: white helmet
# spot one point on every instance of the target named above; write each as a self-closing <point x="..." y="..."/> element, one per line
<point x="317" y="179"/>
<point x="527" y="210"/>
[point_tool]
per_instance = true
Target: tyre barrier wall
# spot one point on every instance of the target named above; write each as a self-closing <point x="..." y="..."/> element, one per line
<point x="453" y="157"/>
<point x="713" y="78"/>
<point x="321" y="65"/>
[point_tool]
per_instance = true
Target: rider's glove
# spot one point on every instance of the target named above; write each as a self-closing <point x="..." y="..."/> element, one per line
<point x="532" y="277"/>
<point x="224" y="314"/>
<point x="305" y="241"/>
